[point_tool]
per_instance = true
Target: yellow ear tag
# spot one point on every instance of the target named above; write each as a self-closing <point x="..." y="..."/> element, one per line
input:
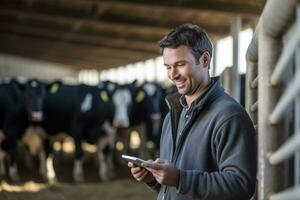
<point x="104" y="96"/>
<point x="54" y="88"/>
<point x="140" y="97"/>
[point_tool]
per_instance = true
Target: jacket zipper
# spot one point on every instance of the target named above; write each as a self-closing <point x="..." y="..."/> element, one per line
<point x="173" y="127"/>
<point x="176" y="151"/>
<point x="183" y="135"/>
<point x="174" y="122"/>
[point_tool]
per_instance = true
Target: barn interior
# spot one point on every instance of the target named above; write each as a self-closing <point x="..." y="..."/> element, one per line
<point x="56" y="39"/>
<point x="90" y="41"/>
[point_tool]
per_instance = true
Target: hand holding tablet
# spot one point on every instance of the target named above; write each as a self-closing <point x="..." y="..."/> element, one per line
<point x="135" y="160"/>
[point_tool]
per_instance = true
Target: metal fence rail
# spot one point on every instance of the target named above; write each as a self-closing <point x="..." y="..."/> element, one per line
<point x="286" y="99"/>
<point x="289" y="194"/>
<point x="286" y="150"/>
<point x="287" y="53"/>
<point x="270" y="62"/>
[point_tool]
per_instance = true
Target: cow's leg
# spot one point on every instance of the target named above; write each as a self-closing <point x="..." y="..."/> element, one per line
<point x="76" y="133"/>
<point x="126" y="140"/>
<point x="155" y="135"/>
<point x="143" y="137"/>
<point x="156" y="132"/>
<point x="105" y="158"/>
<point x="12" y="150"/>
<point x="108" y="149"/>
<point x="43" y="164"/>
<point x="2" y="164"/>
<point x="111" y="132"/>
<point x="37" y="142"/>
<point x="78" y="174"/>
<point x="103" y="168"/>
<point x="13" y="172"/>
<point x="51" y="176"/>
<point x="27" y="143"/>
<point x="28" y="159"/>
<point x="46" y="162"/>
<point x="78" y="171"/>
<point x="109" y="156"/>
<point x="2" y="155"/>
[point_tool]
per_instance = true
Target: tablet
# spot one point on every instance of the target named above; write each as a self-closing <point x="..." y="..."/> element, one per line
<point x="135" y="160"/>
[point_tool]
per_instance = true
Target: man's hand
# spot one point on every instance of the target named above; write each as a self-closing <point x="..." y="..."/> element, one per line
<point x="140" y="173"/>
<point x="163" y="171"/>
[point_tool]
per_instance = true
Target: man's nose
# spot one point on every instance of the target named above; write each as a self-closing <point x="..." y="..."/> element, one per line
<point x="173" y="75"/>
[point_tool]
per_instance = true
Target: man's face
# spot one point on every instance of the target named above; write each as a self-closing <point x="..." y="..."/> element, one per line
<point x="183" y="70"/>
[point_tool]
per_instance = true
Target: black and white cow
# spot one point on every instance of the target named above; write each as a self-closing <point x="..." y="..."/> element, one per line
<point x="138" y="107"/>
<point x="20" y="106"/>
<point x="9" y="97"/>
<point x="85" y="113"/>
<point x="155" y="100"/>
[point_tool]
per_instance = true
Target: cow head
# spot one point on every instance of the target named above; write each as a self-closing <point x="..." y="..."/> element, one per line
<point x="105" y="91"/>
<point x="154" y="98"/>
<point x="34" y="93"/>
<point x="122" y="100"/>
<point x="140" y="111"/>
<point x="108" y="86"/>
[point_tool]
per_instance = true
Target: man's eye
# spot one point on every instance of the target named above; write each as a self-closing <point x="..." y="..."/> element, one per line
<point x="181" y="64"/>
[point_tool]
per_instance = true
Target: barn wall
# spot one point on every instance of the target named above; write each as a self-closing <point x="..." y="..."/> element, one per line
<point x="11" y="66"/>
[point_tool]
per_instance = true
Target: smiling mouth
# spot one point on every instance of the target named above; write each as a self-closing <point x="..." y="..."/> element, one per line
<point x="180" y="84"/>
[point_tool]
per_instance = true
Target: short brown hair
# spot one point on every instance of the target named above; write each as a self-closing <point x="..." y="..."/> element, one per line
<point x="190" y="35"/>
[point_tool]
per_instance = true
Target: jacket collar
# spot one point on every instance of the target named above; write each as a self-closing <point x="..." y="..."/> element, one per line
<point x="173" y="100"/>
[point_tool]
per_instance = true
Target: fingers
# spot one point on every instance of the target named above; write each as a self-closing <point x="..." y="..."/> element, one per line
<point x="152" y="166"/>
<point x="139" y="173"/>
<point x="163" y="171"/>
<point x="136" y="170"/>
<point x="160" y="161"/>
<point x="130" y="164"/>
<point x="157" y="169"/>
<point x="158" y="164"/>
<point x="143" y="175"/>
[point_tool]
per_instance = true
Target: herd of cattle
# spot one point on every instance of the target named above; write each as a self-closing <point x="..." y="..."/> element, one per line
<point x="33" y="112"/>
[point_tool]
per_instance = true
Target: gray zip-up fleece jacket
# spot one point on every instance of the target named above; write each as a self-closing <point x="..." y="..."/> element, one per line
<point x="216" y="152"/>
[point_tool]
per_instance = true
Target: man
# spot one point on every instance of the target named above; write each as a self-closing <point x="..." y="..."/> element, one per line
<point x="208" y="147"/>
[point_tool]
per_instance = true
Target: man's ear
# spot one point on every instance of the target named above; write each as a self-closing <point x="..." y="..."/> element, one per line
<point x="205" y="58"/>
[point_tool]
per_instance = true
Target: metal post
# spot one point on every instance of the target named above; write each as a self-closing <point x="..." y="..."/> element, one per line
<point x="251" y="92"/>
<point x="252" y="85"/>
<point x="1" y="68"/>
<point x="270" y="136"/>
<point x="297" y="112"/>
<point x="215" y="47"/>
<point x="235" y="79"/>
<point x="252" y="76"/>
<point x="297" y="123"/>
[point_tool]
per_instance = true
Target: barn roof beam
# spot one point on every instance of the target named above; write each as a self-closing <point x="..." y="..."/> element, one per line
<point x="80" y="38"/>
<point x="42" y="48"/>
